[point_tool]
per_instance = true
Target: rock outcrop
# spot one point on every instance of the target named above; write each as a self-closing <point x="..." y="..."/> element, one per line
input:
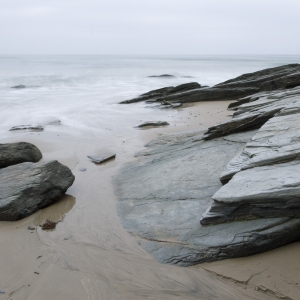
<point x="27" y="187"/>
<point x="16" y="153"/>
<point x="255" y="154"/>
<point x="153" y="95"/>
<point x="283" y="77"/>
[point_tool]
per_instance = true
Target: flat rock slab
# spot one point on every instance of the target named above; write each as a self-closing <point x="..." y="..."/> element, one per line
<point x="163" y="76"/>
<point x="27" y="127"/>
<point x="100" y="159"/>
<point x="268" y="191"/>
<point x="27" y="187"/>
<point x="152" y="124"/>
<point x="277" y="141"/>
<point x="16" y="153"/>
<point x="162" y="195"/>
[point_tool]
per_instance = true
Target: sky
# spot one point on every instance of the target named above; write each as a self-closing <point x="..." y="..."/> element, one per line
<point x="154" y="27"/>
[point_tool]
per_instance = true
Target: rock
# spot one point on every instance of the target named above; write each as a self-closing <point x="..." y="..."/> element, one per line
<point x="16" y="153"/>
<point x="2" y="292"/>
<point x="28" y="127"/>
<point x="154" y="94"/>
<point x="21" y="86"/>
<point x="30" y="228"/>
<point x="256" y="113"/>
<point x="163" y="76"/>
<point x="261" y="192"/>
<point x="152" y="124"/>
<point x="277" y="141"/>
<point x="283" y="77"/>
<point x="82" y="169"/>
<point x="99" y="159"/>
<point x="162" y="195"/>
<point x="49" y="225"/>
<point x="27" y="187"/>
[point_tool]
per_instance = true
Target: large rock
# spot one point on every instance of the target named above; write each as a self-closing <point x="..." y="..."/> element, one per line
<point x="27" y="187"/>
<point x="261" y="192"/>
<point x="16" y="153"/>
<point x="283" y="77"/>
<point x="162" y="196"/>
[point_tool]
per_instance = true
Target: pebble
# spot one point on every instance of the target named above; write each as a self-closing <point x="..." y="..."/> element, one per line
<point x="31" y="228"/>
<point x="82" y="169"/>
<point x="2" y="292"/>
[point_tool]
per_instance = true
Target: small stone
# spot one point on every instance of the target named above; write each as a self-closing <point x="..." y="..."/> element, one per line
<point x="82" y="169"/>
<point x="31" y="228"/>
<point x="2" y="292"/>
<point x="99" y="159"/>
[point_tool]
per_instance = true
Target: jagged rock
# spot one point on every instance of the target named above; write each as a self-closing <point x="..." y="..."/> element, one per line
<point x="163" y="76"/>
<point x="27" y="187"/>
<point x="261" y="192"/>
<point x="283" y="77"/>
<point x="27" y="127"/>
<point x="21" y="86"/>
<point x="153" y="124"/>
<point x="277" y="141"/>
<point x="16" y="153"/>
<point x="99" y="159"/>
<point x="154" y="94"/>
<point x="256" y="113"/>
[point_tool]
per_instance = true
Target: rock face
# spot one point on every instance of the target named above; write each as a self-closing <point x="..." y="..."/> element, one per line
<point x="27" y="187"/>
<point x="171" y="90"/>
<point x="163" y="195"/>
<point x="152" y="124"/>
<point x="16" y="153"/>
<point x="283" y="77"/>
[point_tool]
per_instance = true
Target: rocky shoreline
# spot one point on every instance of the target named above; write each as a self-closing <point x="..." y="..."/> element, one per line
<point x="241" y="177"/>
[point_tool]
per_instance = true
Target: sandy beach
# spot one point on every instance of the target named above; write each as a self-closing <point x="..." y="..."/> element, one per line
<point x="90" y="256"/>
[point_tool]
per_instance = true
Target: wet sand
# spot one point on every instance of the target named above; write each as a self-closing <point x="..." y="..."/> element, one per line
<point x="90" y="256"/>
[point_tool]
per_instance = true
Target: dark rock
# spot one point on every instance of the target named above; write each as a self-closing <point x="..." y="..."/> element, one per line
<point x="153" y="124"/>
<point x="28" y="127"/>
<point x="154" y="94"/>
<point x="27" y="187"/>
<point x="163" y="76"/>
<point x="21" y="86"/>
<point x="99" y="159"/>
<point x="49" y="225"/>
<point x="16" y="153"/>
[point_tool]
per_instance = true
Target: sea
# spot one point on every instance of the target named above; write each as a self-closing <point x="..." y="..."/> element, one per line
<point x="83" y="92"/>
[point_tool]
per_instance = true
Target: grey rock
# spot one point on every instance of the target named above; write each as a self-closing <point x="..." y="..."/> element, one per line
<point x="261" y="192"/>
<point x="99" y="159"/>
<point x="152" y="124"/>
<point x="277" y="141"/>
<point x="163" y="194"/>
<point x="82" y="169"/>
<point x="28" y="127"/>
<point x="2" y="292"/>
<point x="30" y="228"/>
<point x="27" y="187"/>
<point x="15" y="153"/>
<point x="21" y="86"/>
<point x="153" y="95"/>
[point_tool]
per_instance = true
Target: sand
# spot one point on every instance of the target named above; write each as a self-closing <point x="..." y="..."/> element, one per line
<point x="90" y="256"/>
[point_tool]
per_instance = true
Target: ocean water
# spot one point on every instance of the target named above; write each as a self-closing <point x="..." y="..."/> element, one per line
<point x="84" y="91"/>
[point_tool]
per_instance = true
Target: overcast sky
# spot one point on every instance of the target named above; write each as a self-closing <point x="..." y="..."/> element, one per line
<point x="149" y="27"/>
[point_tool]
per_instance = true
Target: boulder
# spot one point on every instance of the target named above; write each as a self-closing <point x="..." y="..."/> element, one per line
<point x="16" y="153"/>
<point x="21" y="86"/>
<point x="27" y="187"/>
